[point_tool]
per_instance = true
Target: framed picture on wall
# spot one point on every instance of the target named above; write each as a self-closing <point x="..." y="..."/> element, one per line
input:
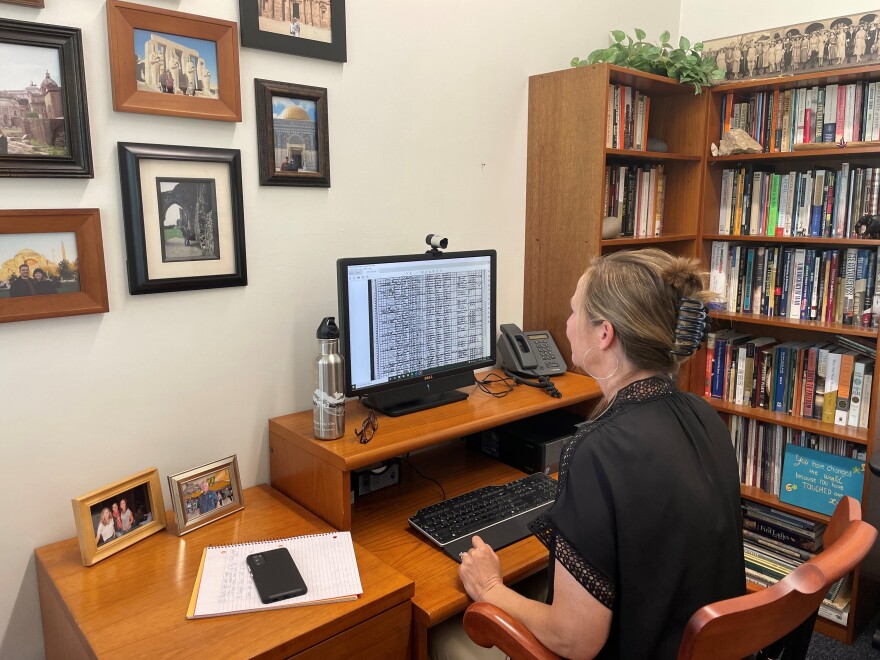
<point x="184" y="217"/>
<point x="311" y="28"/>
<point x="165" y="62"/>
<point x="27" y="3"/>
<point x="204" y="494"/>
<point x="293" y="140"/>
<point x="118" y="515"/>
<point x="51" y="264"/>
<point x="44" y="121"/>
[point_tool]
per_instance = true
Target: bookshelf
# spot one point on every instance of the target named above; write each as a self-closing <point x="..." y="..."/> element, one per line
<point x="567" y="158"/>
<point x="863" y="604"/>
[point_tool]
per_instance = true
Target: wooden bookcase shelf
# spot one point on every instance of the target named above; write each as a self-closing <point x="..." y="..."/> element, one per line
<point x="823" y="155"/>
<point x="631" y="154"/>
<point x="647" y="241"/>
<point x="783" y="322"/>
<point x="796" y="240"/>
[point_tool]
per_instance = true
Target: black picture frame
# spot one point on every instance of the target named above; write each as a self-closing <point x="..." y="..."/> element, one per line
<point x="271" y="173"/>
<point x="173" y="162"/>
<point x="68" y="42"/>
<point x="253" y="37"/>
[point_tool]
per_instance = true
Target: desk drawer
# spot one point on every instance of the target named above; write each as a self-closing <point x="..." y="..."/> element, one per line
<point x="384" y="637"/>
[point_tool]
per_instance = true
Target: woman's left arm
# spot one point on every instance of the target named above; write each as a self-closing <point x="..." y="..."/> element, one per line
<point x="575" y="626"/>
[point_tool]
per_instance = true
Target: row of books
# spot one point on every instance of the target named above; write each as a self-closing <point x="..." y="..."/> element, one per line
<point x="821" y="381"/>
<point x="636" y="194"/>
<point x="818" y="203"/>
<point x="776" y="542"/>
<point x="831" y="286"/>
<point x="780" y="119"/>
<point x="760" y="449"/>
<point x="627" y="119"/>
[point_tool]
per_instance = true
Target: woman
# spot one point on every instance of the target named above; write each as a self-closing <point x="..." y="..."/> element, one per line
<point x="42" y="284"/>
<point x="647" y="526"/>
<point x="106" y="531"/>
<point x="117" y="519"/>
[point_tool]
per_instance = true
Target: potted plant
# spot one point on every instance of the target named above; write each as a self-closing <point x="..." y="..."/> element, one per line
<point x="686" y="64"/>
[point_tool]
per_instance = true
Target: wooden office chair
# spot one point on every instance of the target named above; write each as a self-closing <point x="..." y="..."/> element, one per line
<point x="780" y="616"/>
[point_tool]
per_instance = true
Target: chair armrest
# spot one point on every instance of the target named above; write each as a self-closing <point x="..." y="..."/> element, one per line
<point x="490" y="626"/>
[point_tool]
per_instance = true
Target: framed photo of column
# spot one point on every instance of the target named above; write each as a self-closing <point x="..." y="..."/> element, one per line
<point x="310" y="28"/>
<point x="184" y="217"/>
<point x="44" y="120"/>
<point x="165" y="62"/>
<point x="51" y="264"/>
<point x="293" y="140"/>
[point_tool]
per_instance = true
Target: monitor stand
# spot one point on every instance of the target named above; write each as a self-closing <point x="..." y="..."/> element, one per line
<point x="423" y="403"/>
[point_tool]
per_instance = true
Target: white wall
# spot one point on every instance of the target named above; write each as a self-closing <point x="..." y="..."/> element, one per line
<point x="427" y="134"/>
<point x="701" y="20"/>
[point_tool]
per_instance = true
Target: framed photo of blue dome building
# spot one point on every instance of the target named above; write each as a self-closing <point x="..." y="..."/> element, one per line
<point x="293" y="140"/>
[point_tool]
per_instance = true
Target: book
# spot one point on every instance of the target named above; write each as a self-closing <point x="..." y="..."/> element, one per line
<point x="224" y="586"/>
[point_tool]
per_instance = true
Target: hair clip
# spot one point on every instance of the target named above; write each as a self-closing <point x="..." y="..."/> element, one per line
<point x="691" y="327"/>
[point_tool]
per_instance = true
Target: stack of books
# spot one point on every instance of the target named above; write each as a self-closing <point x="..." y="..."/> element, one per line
<point x="821" y="202"/>
<point x="831" y="286"/>
<point x="636" y="194"/>
<point x="830" y="382"/>
<point x="776" y="542"/>
<point x="627" y="120"/>
<point x="780" y="119"/>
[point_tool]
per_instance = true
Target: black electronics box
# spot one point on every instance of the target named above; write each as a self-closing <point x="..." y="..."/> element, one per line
<point x="375" y="477"/>
<point x="533" y="444"/>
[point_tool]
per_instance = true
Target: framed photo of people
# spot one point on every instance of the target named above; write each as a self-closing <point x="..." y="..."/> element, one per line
<point x="293" y="139"/>
<point x="44" y="119"/>
<point x="184" y="217"/>
<point x="165" y="62"/>
<point x="204" y="494"/>
<point x="310" y="28"/>
<point x="117" y="515"/>
<point x="51" y="264"/>
<point x="814" y="46"/>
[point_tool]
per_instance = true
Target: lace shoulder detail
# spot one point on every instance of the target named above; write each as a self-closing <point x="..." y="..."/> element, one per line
<point x="599" y="585"/>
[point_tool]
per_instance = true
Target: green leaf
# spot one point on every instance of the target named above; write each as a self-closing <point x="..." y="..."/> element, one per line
<point x="574" y="61"/>
<point x="640" y="34"/>
<point x="683" y="43"/>
<point x="618" y="35"/>
<point x="698" y="46"/>
<point x="596" y="56"/>
<point x="664" y="38"/>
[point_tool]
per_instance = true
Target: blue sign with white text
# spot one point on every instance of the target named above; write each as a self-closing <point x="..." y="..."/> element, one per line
<point x="816" y="481"/>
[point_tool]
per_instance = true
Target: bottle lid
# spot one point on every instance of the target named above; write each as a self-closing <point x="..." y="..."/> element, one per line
<point x="328" y="329"/>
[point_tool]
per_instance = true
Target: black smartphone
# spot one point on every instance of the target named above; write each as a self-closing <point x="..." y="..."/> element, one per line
<point x="276" y="575"/>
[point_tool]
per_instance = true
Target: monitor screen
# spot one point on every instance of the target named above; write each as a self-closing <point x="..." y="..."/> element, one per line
<point x="409" y="320"/>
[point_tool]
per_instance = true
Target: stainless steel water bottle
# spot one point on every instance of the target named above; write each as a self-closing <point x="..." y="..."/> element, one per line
<point x="328" y="400"/>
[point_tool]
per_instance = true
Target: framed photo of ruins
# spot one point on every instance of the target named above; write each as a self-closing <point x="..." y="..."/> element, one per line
<point x="165" y="62"/>
<point x="44" y="122"/>
<point x="51" y="264"/>
<point x="184" y="217"/>
<point x="310" y="28"/>
<point x="293" y="140"/>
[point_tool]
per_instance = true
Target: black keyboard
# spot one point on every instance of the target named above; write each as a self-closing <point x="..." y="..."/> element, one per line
<point x="499" y="514"/>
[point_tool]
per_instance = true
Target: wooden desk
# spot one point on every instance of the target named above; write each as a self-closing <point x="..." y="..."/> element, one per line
<point x="133" y="604"/>
<point x="317" y="474"/>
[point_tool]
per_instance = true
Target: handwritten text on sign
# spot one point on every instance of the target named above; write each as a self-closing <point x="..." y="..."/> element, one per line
<point x="815" y="480"/>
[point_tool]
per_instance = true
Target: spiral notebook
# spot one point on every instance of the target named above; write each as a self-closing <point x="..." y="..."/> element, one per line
<point x="224" y="585"/>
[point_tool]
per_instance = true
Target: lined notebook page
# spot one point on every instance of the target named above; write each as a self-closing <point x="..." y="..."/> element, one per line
<point x="326" y="562"/>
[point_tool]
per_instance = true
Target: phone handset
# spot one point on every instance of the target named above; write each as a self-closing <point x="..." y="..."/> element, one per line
<point x="522" y="357"/>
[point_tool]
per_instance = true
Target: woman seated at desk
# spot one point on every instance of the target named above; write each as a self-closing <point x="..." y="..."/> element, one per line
<point x="646" y="527"/>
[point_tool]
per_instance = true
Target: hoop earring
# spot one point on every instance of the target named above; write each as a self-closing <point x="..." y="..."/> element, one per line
<point x="584" y="366"/>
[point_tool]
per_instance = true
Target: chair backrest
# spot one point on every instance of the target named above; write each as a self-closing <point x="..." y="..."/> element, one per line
<point x="737" y="627"/>
<point x="729" y="629"/>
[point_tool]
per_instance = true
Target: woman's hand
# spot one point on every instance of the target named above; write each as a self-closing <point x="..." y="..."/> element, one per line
<point x="480" y="570"/>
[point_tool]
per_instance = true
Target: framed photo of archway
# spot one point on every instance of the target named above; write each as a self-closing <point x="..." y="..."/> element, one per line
<point x="293" y="141"/>
<point x="310" y="28"/>
<point x="184" y="217"/>
<point x="165" y="62"/>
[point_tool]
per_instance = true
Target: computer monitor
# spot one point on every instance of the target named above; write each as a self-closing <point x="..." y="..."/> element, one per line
<point x="414" y="327"/>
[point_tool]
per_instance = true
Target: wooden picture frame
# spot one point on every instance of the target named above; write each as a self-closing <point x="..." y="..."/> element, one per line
<point x="216" y="486"/>
<point x="180" y="48"/>
<point x="292" y="127"/>
<point x="26" y="3"/>
<point x="320" y="27"/>
<point x="208" y="249"/>
<point x="50" y="136"/>
<point x="79" y="226"/>
<point x="142" y="495"/>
